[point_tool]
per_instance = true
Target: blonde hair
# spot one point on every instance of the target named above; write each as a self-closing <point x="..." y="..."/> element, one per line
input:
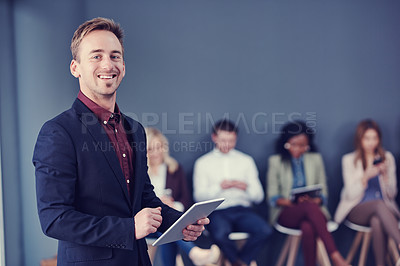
<point x="92" y="25"/>
<point x="152" y="133"/>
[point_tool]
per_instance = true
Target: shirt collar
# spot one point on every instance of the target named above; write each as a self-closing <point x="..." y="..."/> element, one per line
<point x="102" y="114"/>
<point x="299" y="160"/>
<point x="219" y="153"/>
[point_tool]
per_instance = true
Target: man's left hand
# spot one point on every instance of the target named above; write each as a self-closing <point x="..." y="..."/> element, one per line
<point x="193" y="231"/>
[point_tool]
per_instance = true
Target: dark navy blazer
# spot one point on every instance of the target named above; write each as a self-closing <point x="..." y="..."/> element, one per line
<point x="82" y="196"/>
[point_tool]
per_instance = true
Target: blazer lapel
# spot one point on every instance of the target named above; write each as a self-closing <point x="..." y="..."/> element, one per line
<point x="287" y="176"/>
<point x="93" y="127"/>
<point x="309" y="170"/>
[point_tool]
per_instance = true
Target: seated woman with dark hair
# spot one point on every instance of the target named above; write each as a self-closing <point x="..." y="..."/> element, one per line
<point x="370" y="189"/>
<point x="297" y="165"/>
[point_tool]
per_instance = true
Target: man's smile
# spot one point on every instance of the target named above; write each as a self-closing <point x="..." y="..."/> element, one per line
<point x="109" y="76"/>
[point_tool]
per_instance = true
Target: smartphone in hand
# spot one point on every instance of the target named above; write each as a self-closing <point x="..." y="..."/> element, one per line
<point x="377" y="161"/>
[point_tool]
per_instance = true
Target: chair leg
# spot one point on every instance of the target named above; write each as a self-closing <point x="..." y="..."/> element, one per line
<point x="364" y="249"/>
<point x="322" y="254"/>
<point x="354" y="247"/>
<point x="284" y="252"/>
<point x="294" y="247"/>
<point x="388" y="260"/>
<point x="393" y="251"/>
<point x="240" y="243"/>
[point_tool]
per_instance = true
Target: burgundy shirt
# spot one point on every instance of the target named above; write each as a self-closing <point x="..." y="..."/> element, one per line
<point x="113" y="126"/>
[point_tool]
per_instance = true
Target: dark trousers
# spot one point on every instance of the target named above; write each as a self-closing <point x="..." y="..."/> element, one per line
<point x="240" y="219"/>
<point x="308" y="217"/>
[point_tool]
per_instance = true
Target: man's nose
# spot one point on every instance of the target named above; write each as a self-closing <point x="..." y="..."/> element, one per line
<point x="106" y="63"/>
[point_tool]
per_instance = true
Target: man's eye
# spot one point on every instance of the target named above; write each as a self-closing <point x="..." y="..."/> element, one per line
<point x="115" y="57"/>
<point x="96" y="57"/>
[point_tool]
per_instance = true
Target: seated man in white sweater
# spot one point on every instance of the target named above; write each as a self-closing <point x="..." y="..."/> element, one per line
<point x="228" y="173"/>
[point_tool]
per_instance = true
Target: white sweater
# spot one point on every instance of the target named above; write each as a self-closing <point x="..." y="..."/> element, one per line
<point x="214" y="167"/>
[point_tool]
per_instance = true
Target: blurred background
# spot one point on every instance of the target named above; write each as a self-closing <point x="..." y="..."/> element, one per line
<point x="189" y="63"/>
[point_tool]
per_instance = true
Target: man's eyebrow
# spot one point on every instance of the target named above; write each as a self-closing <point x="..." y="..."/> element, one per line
<point x="102" y="51"/>
<point x="96" y="51"/>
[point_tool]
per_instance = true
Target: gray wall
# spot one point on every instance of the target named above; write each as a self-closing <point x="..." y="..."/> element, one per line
<point x="262" y="63"/>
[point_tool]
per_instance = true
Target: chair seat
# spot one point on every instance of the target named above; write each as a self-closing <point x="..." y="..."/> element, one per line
<point x="238" y="236"/>
<point x="331" y="226"/>
<point x="357" y="227"/>
<point x="240" y="240"/>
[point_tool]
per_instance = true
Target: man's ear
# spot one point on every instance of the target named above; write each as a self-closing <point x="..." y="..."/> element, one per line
<point x="74" y="68"/>
<point x="214" y="137"/>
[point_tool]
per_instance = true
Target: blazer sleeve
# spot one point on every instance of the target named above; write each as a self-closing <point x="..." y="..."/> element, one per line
<point x="321" y="174"/>
<point x="352" y="178"/>
<point x="56" y="164"/>
<point x="389" y="184"/>
<point x="273" y="175"/>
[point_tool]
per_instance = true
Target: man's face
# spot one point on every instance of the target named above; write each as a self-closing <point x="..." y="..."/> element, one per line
<point x="224" y="140"/>
<point x="99" y="65"/>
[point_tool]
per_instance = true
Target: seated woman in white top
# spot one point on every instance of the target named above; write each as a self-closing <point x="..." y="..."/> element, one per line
<point x="370" y="189"/>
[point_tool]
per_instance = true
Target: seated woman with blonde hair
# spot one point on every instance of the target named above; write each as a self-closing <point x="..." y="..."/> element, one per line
<point x="370" y="189"/>
<point x="169" y="181"/>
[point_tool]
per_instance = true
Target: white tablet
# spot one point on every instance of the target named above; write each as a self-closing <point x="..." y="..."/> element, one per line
<point x="197" y="211"/>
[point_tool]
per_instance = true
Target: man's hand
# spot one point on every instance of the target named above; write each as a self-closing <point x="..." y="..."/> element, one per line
<point x="147" y="221"/>
<point x="239" y="185"/>
<point x="226" y="184"/>
<point x="193" y="231"/>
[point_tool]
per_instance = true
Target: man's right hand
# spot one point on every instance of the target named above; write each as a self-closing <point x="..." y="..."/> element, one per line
<point x="147" y="221"/>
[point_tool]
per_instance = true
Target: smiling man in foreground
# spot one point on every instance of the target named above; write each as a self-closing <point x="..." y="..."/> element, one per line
<point x="93" y="191"/>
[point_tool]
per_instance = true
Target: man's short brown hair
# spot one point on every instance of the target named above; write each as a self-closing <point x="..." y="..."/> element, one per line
<point x="92" y="25"/>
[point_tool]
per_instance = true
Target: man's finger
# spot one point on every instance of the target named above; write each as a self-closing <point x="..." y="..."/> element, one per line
<point x="203" y="221"/>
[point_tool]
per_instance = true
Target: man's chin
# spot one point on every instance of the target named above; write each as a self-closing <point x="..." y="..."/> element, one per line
<point x="109" y="91"/>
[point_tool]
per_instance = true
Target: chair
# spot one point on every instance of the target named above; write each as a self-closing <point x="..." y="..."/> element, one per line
<point x="364" y="235"/>
<point x="292" y="243"/>
<point x="240" y="239"/>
